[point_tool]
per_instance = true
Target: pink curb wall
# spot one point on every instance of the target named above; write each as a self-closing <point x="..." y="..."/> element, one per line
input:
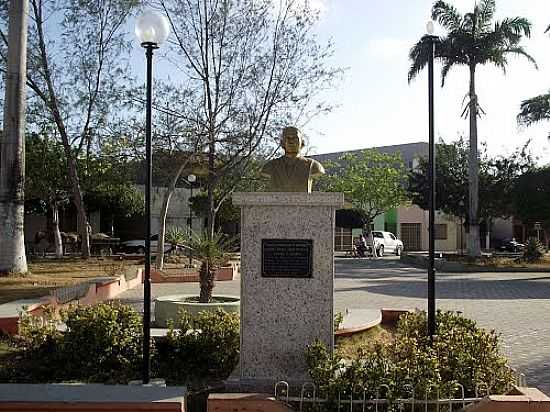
<point x="97" y="292"/>
<point x="244" y="402"/>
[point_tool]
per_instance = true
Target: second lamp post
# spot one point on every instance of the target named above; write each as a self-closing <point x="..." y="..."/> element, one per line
<point x="431" y="42"/>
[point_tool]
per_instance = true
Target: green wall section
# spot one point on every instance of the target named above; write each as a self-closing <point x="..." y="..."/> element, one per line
<point x="379" y="222"/>
<point x="391" y="217"/>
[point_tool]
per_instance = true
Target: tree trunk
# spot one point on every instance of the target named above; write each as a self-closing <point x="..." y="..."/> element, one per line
<point x="58" y="243"/>
<point x="474" y="246"/>
<point x="207" y="275"/>
<point x="12" y="145"/>
<point x="159" y="261"/>
<point x="370" y="238"/>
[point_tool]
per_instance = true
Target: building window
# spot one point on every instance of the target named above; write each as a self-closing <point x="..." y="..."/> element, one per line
<point x="440" y="232"/>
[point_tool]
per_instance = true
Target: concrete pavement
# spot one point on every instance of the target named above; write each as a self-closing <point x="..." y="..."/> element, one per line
<point x="517" y="305"/>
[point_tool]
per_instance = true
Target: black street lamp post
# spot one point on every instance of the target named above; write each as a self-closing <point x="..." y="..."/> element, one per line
<point x="152" y="29"/>
<point x="191" y="180"/>
<point x="431" y="39"/>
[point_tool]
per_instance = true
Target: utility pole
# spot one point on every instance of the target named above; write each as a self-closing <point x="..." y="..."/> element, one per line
<point x="12" y="145"/>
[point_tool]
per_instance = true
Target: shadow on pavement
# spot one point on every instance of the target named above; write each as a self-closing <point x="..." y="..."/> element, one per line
<point x="460" y="288"/>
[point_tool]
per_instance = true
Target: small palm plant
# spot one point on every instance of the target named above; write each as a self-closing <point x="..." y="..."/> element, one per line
<point x="176" y="236"/>
<point x="213" y="252"/>
<point x="534" y="251"/>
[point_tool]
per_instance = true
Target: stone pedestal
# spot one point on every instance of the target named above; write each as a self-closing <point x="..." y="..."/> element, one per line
<point x="280" y="316"/>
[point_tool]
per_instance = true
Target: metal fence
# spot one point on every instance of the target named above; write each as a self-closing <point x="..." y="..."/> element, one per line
<point x="358" y="401"/>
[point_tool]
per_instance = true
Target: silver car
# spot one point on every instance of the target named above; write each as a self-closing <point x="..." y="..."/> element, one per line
<point x="387" y="242"/>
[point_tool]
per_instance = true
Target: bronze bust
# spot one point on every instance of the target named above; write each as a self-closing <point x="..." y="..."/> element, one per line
<point x="292" y="172"/>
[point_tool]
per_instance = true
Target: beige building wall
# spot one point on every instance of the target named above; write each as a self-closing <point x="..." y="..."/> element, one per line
<point x="418" y="219"/>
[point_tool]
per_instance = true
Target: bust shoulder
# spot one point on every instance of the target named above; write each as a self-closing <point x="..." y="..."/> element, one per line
<point x="316" y="167"/>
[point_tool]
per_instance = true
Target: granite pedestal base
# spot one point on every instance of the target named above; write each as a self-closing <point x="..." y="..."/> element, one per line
<point x="280" y="316"/>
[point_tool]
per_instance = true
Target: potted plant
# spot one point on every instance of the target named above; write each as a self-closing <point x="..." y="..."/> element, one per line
<point x="213" y="252"/>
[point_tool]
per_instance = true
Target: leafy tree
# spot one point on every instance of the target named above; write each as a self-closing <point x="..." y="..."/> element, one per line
<point x="371" y="181"/>
<point x="451" y="180"/>
<point x="75" y="87"/>
<point x="254" y="67"/>
<point x="497" y="176"/>
<point x="46" y="178"/>
<point x="109" y="187"/>
<point x="471" y="40"/>
<point x="531" y="197"/>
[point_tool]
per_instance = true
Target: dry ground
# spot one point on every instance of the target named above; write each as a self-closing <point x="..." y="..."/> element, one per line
<point x="47" y="274"/>
<point x="504" y="262"/>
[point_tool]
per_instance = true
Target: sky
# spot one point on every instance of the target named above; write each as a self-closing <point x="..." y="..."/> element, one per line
<point x="377" y="106"/>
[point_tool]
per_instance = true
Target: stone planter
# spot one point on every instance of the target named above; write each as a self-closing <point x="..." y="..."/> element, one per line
<point x="168" y="307"/>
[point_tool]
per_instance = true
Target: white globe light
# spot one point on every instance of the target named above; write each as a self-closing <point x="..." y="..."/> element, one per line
<point x="191" y="178"/>
<point x="430" y="27"/>
<point x="152" y="27"/>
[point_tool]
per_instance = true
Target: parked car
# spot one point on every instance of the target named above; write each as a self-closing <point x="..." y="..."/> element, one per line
<point x="511" y="245"/>
<point x="387" y="242"/>
<point x="138" y="245"/>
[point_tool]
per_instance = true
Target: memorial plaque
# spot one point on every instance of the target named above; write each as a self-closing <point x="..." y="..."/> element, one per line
<point x="287" y="258"/>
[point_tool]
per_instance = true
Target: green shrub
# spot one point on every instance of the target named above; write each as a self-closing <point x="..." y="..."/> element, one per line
<point x="38" y="349"/>
<point x="534" y="251"/>
<point x="461" y="353"/>
<point x="203" y="347"/>
<point x="102" y="343"/>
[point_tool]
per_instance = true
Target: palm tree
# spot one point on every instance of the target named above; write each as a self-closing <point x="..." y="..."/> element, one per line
<point x="535" y="109"/>
<point x="213" y="251"/>
<point x="12" y="145"/>
<point x="472" y="39"/>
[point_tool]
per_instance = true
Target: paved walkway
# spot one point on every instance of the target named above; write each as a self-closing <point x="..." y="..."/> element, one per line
<point x="515" y="304"/>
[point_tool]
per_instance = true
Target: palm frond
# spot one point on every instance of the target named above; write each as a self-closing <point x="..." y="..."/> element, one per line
<point x="447" y="65"/>
<point x="447" y="15"/>
<point x="534" y="110"/>
<point x="513" y="28"/>
<point x="486" y="13"/>
<point x="520" y="51"/>
<point x="419" y="55"/>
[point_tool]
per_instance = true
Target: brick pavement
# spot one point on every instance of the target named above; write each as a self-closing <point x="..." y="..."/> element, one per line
<point x="517" y="305"/>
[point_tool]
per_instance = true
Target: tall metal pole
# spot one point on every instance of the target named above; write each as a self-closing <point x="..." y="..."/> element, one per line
<point x="149" y="47"/>
<point x="431" y="178"/>
<point x="190" y="220"/>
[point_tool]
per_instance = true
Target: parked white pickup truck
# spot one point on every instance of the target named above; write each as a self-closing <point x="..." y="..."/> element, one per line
<point x="387" y="242"/>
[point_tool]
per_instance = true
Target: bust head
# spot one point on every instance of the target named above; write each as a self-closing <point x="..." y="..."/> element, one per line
<point x="292" y="141"/>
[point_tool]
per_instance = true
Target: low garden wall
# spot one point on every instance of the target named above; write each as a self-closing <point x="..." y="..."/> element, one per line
<point x="222" y="274"/>
<point x="90" y="398"/>
<point x="86" y="293"/>
<point x="443" y="265"/>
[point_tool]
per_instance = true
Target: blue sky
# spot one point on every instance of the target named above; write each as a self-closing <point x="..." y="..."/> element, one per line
<point x="379" y="107"/>
<point x="376" y="105"/>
